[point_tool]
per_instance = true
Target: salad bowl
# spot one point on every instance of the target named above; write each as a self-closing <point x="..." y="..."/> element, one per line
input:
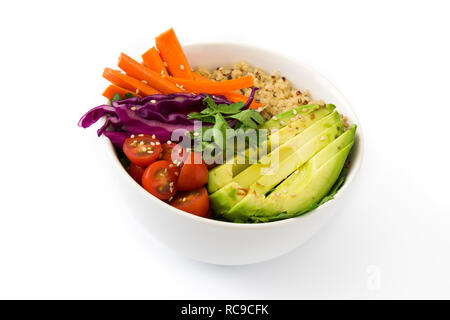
<point x="227" y="243"/>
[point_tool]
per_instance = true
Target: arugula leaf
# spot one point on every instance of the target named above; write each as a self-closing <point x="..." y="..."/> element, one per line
<point x="249" y="118"/>
<point x="117" y="97"/>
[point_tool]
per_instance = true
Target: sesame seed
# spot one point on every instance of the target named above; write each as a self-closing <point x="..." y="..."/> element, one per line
<point x="176" y="173"/>
<point x="132" y="136"/>
<point x="157" y="143"/>
<point x="322" y="138"/>
<point x="275" y="118"/>
<point x="141" y="143"/>
<point x="140" y="135"/>
<point x="304" y="109"/>
<point x="196" y="134"/>
<point x="171" y="165"/>
<point x="162" y="71"/>
<point x="177" y="85"/>
<point x="171" y="184"/>
<point x="181" y="67"/>
<point x="133" y="108"/>
<point x="180" y="151"/>
<point x="282" y="123"/>
<point x="296" y="171"/>
<point x="165" y="63"/>
<point x="294" y="111"/>
<point x="149" y="151"/>
<point x="134" y="141"/>
<point x="153" y="136"/>
<point x="152" y="143"/>
<point x="169" y="142"/>
<point x="137" y="91"/>
<point x="143" y="81"/>
<point x="153" y="101"/>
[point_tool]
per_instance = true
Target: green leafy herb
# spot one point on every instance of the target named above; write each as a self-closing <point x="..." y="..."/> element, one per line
<point x="249" y="118"/>
<point x="218" y="114"/>
<point x="117" y="97"/>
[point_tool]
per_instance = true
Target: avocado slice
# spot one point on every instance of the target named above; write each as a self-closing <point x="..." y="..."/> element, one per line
<point x="282" y="119"/>
<point x="306" y="116"/>
<point x="302" y="190"/>
<point x="276" y="166"/>
<point x="250" y="175"/>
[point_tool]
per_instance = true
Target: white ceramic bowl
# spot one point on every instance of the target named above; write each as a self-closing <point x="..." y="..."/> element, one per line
<point x="226" y="243"/>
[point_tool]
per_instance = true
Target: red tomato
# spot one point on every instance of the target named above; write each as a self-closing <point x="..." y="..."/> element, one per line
<point x="160" y="179"/>
<point x="195" y="202"/>
<point x="136" y="172"/>
<point x="193" y="174"/>
<point x="142" y="149"/>
<point x="172" y="152"/>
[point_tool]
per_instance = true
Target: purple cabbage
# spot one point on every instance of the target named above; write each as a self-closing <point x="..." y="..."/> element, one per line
<point x="156" y="114"/>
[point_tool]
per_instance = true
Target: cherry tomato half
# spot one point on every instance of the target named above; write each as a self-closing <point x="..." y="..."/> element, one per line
<point x="193" y="174"/>
<point x="172" y="152"/>
<point x="136" y="172"/>
<point x="160" y="179"/>
<point x="142" y="149"/>
<point x="195" y="202"/>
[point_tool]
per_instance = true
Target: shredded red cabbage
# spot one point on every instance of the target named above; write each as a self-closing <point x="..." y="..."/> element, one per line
<point x="156" y="114"/>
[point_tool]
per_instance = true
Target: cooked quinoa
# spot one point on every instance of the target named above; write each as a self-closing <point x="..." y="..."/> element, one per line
<point x="276" y="93"/>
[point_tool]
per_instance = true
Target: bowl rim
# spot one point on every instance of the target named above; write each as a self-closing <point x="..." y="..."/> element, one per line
<point x="356" y="164"/>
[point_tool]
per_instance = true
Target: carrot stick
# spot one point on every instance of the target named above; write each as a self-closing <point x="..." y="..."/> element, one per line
<point x="213" y="87"/>
<point x="153" y="61"/>
<point x="127" y="82"/>
<point x="138" y="71"/>
<point x="171" y="52"/>
<point x="236" y="97"/>
<point x="112" y="89"/>
<point x="198" y="76"/>
<point x="232" y="96"/>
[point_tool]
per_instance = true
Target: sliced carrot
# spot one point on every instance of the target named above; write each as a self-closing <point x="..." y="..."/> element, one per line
<point x="153" y="61"/>
<point x="112" y="90"/>
<point x="236" y="97"/>
<point x="138" y="71"/>
<point x="198" y="76"/>
<point x="127" y="82"/>
<point x="213" y="87"/>
<point x="171" y="52"/>
<point x="233" y="95"/>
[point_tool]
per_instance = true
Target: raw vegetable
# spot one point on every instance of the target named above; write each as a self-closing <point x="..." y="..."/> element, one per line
<point x="172" y="152"/>
<point x="171" y="52"/>
<point x="195" y="202"/>
<point x="136" y="172"/>
<point x="127" y="82"/>
<point x="213" y="87"/>
<point x="113" y="90"/>
<point x="233" y="95"/>
<point x="142" y="149"/>
<point x="153" y="61"/>
<point x="138" y="71"/>
<point x="157" y="114"/>
<point x="219" y="115"/>
<point x="160" y="179"/>
<point x="193" y="174"/>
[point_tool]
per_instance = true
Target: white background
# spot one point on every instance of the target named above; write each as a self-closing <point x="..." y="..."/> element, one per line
<point x="66" y="233"/>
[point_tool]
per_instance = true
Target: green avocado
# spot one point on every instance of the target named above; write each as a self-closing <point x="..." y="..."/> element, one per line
<point x="282" y="119"/>
<point x="302" y="190"/>
<point x="224" y="174"/>
<point x="263" y="176"/>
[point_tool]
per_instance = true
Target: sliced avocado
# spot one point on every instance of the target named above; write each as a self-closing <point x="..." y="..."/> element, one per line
<point x="221" y="202"/>
<point x="303" y="189"/>
<point x="282" y="119"/>
<point x="250" y="175"/>
<point x="224" y="174"/>
<point x="276" y="166"/>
